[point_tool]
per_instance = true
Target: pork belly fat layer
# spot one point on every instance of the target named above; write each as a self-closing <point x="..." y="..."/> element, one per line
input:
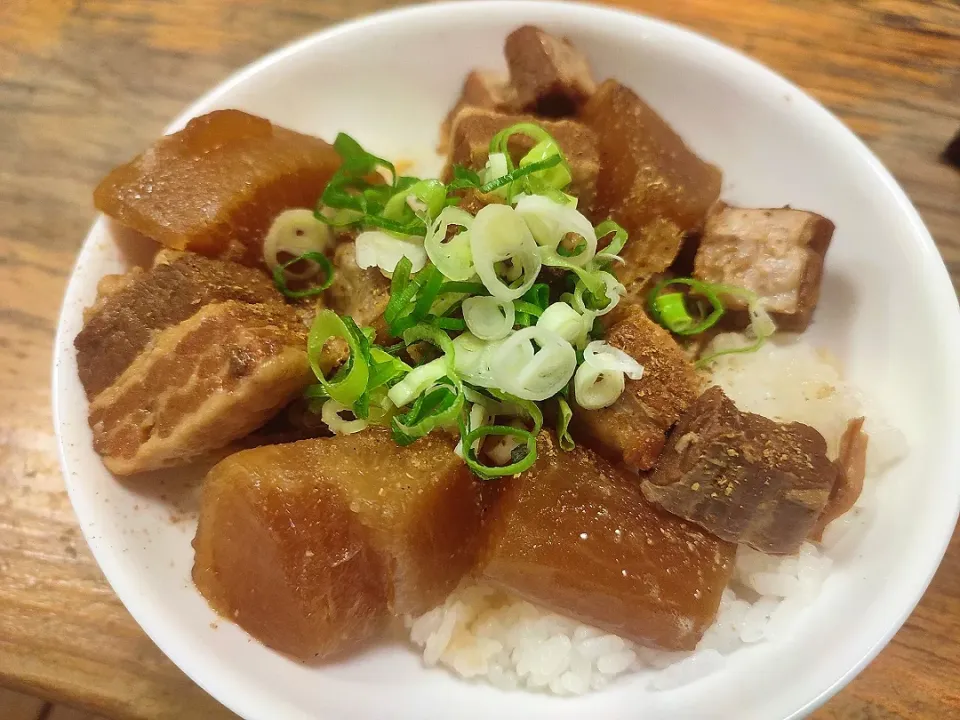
<point x="215" y="186"/>
<point x="575" y="534"/>
<point x="776" y="253"/>
<point x="350" y="529"/>
<point x="743" y="477"/>
<point x="633" y="429"/>
<point x="549" y="75"/>
<point x="131" y="309"/>
<point x="203" y="383"/>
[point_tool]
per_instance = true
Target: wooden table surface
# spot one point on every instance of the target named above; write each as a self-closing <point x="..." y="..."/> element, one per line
<point x="85" y="84"/>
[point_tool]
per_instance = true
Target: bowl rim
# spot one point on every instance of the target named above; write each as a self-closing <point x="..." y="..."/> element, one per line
<point x="937" y="279"/>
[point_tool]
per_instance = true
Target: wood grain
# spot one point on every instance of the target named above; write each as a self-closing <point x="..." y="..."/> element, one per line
<point x="84" y="84"/>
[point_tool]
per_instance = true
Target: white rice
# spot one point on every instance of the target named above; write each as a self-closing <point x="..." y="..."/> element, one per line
<point x="487" y="634"/>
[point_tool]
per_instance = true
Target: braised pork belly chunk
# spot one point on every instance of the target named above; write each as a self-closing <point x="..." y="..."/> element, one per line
<point x="549" y="75"/>
<point x="776" y="253"/>
<point x="575" y="534"/>
<point x="361" y="293"/>
<point x="474" y="128"/>
<point x="482" y="89"/>
<point x="743" y="477"/>
<point x="311" y="546"/>
<point x="199" y="385"/>
<point x="132" y="309"/>
<point x="215" y="186"/>
<point x="633" y="429"/>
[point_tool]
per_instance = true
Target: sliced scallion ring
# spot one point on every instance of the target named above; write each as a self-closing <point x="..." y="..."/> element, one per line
<point x="452" y="257"/>
<point x="330" y="414"/>
<point x="350" y="381"/>
<point x="376" y="248"/>
<point x="547" y="369"/>
<point x="470" y="438"/>
<point x="606" y="357"/>
<point x="564" y="321"/>
<point x="417" y="381"/>
<point x="488" y="318"/>
<point x="326" y="268"/>
<point x="440" y="406"/>
<point x="499" y="235"/>
<point x="597" y="387"/>
<point x="296" y="232"/>
<point x="551" y="222"/>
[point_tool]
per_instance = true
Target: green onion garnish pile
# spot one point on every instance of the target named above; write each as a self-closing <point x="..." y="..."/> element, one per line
<point x="483" y="335"/>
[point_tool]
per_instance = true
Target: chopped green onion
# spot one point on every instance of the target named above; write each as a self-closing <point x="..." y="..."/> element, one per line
<point x="611" y="252"/>
<point x="760" y="324"/>
<point x="487" y="472"/>
<point x="670" y="310"/>
<point x="499" y="235"/>
<point x="445" y="323"/>
<point x="470" y="288"/>
<point x="566" y="322"/>
<point x="597" y="387"/>
<point x="527" y="308"/>
<point x="487" y="317"/>
<point x="330" y="414"/>
<point x="452" y="256"/>
<point x="417" y="381"/>
<point x="551" y="222"/>
<point x="315" y="392"/>
<point x="554" y="176"/>
<point x="530" y="409"/>
<point x="280" y="280"/>
<point x="436" y="408"/>
<point x="564" y="415"/>
<point x="385" y="368"/>
<point x="375" y="248"/>
<point x="533" y="373"/>
<point x="350" y="381"/>
<point x="431" y="280"/>
<point x="402" y="290"/>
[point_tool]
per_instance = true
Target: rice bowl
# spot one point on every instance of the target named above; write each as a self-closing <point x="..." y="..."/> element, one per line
<point x="874" y="348"/>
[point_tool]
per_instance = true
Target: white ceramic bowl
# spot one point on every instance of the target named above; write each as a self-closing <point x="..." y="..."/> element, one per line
<point x="888" y="311"/>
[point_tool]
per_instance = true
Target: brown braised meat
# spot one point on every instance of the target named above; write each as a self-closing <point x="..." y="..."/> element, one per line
<point x="647" y="175"/>
<point x="215" y="186"/>
<point x="575" y="534"/>
<point x="311" y="546"/>
<point x="633" y="429"/>
<point x="132" y="309"/>
<point x="549" y="75"/>
<point x="852" y="467"/>
<point x="743" y="477"/>
<point x="473" y="129"/>
<point x="199" y="385"/>
<point x="649" y="254"/>
<point x="481" y="89"/>
<point x="778" y="254"/>
<point x="362" y="294"/>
